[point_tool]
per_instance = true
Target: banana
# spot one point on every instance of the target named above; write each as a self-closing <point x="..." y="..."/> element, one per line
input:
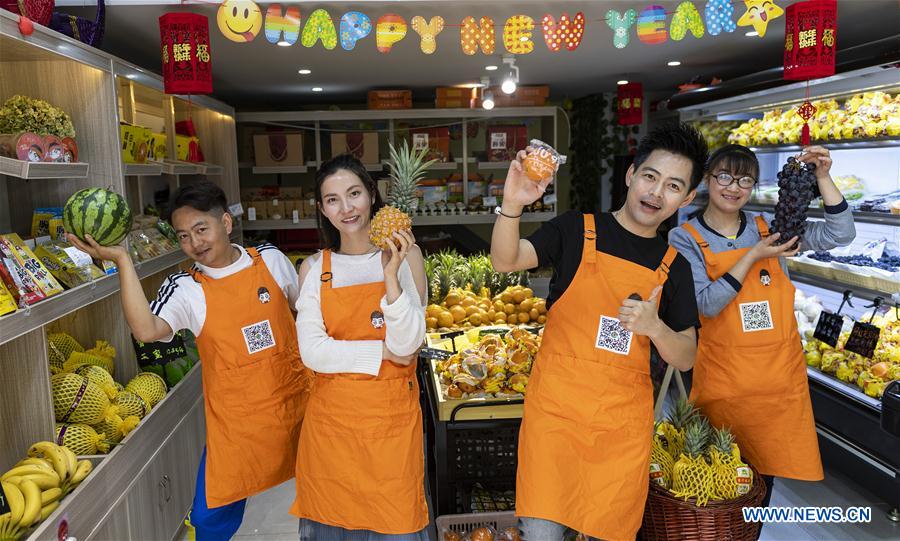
<point x="50" y="496"/>
<point x="8" y="530"/>
<point x="39" y="462"/>
<point x="44" y="481"/>
<point x="32" y="495"/>
<point x="82" y="471"/>
<point x="45" y="511"/>
<point x="15" y="500"/>
<point x="51" y="452"/>
<point x="20" y="471"/>
<point x="71" y="461"/>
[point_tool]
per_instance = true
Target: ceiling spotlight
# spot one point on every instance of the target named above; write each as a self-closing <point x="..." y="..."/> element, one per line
<point x="491" y="68"/>
<point x="284" y="43"/>
<point x="509" y="86"/>
<point x="752" y="33"/>
<point x="488" y="100"/>
<point x="304" y="71"/>
<point x="674" y="63"/>
<point x="317" y="89"/>
<point x="511" y="81"/>
<point x="131" y="76"/>
<point x="622" y="82"/>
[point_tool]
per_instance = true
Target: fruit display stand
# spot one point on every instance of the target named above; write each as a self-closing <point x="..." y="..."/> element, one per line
<point x="143" y="488"/>
<point x="849" y="422"/>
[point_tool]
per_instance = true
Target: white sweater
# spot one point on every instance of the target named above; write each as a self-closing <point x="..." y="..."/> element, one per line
<point x="404" y="319"/>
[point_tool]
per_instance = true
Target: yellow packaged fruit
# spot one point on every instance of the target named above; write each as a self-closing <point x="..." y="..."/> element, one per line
<point x="99" y="377"/>
<point x="102" y="348"/>
<point x="149" y="386"/>
<point x="81" y="439"/>
<point x="77" y="400"/>
<point x="79" y="358"/>
<point x="115" y="428"/>
<point x="131" y="404"/>
<point x="59" y="347"/>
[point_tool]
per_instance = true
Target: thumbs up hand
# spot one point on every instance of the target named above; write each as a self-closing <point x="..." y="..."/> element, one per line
<point x="639" y="316"/>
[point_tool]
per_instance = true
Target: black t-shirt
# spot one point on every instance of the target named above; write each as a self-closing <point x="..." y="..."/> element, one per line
<point x="559" y="244"/>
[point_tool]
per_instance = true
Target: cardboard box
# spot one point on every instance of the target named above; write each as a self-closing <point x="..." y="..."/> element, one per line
<point x="503" y="142"/>
<point x="435" y="139"/>
<point x="309" y="207"/>
<point x="291" y="192"/>
<point x="278" y="149"/>
<point x="136" y="142"/>
<point x="157" y="149"/>
<point x="260" y="210"/>
<point x="390" y="99"/>
<point x="362" y="145"/>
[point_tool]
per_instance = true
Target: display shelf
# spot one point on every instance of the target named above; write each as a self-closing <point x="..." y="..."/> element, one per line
<point x="37" y="315"/>
<point x="858" y="215"/>
<point x="848" y="144"/>
<point x="42" y="170"/>
<point x="143" y="169"/>
<point x="440" y="166"/>
<point x="493" y="166"/>
<point x="834" y="285"/>
<point x="396" y="114"/>
<point x="279" y="170"/>
<point x="171" y="167"/>
<point x="210" y="169"/>
<point x="845" y="389"/>
<point x="464" y="219"/>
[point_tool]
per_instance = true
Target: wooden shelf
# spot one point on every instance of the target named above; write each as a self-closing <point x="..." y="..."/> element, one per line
<point x="143" y="169"/>
<point x="397" y="114"/>
<point x="279" y="170"/>
<point x="489" y="166"/>
<point x="465" y="219"/>
<point x="24" y="321"/>
<point x="211" y="169"/>
<point x="42" y="170"/>
<point x="181" y="168"/>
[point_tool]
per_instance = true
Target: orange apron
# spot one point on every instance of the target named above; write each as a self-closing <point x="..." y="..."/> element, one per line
<point x="361" y="462"/>
<point x="254" y="386"/>
<point x="750" y="374"/>
<point x="584" y="446"/>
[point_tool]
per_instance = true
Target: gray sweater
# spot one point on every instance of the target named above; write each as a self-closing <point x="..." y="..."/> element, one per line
<point x="713" y="295"/>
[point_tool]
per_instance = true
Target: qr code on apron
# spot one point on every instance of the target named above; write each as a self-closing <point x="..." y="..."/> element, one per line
<point x="756" y="316"/>
<point x="612" y="336"/>
<point x="258" y="336"/>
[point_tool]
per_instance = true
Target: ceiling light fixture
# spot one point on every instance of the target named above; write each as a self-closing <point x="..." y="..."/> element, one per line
<point x="317" y="89"/>
<point x="304" y="71"/>
<point x="487" y="97"/>
<point x="622" y="82"/>
<point x="511" y="82"/>
<point x="752" y="33"/>
<point x="284" y="43"/>
<point x="491" y="68"/>
<point x="674" y="63"/>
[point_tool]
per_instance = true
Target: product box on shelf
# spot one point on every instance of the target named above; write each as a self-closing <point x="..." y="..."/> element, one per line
<point x="157" y="149"/>
<point x="278" y="149"/>
<point x="30" y="147"/>
<point x="275" y="209"/>
<point x="503" y="142"/>
<point x="7" y="301"/>
<point x="432" y="191"/>
<point x="136" y="141"/>
<point x="362" y="145"/>
<point x="437" y="140"/>
<point x="309" y="207"/>
<point x="255" y="210"/>
<point x="25" y="275"/>
<point x="390" y="99"/>
<point x="67" y="264"/>
<point x="456" y="98"/>
<point x="187" y="149"/>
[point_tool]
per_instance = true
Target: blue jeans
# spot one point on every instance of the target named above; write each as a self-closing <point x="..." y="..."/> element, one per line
<point x="539" y="529"/>
<point x="219" y="523"/>
<point x="311" y="530"/>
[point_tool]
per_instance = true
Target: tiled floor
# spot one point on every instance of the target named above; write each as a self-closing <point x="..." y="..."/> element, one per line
<point x="267" y="517"/>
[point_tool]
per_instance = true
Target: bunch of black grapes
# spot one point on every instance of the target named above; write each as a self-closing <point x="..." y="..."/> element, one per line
<point x="797" y="188"/>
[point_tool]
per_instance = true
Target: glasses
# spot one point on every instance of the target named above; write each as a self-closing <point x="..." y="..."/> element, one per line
<point x="726" y="180"/>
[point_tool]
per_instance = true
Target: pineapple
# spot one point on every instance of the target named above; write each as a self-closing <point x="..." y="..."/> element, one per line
<point x="407" y="167"/>
<point x="661" y="461"/>
<point x="676" y="421"/>
<point x="731" y="477"/>
<point x="692" y="476"/>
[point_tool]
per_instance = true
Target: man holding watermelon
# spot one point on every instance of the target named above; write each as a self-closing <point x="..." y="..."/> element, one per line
<point x="237" y="302"/>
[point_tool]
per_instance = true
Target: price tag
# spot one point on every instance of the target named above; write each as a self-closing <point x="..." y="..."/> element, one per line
<point x="251" y="214"/>
<point x="81" y="259"/>
<point x="236" y="209"/>
<point x="4" y="504"/>
<point x="550" y="199"/>
<point x="498" y="141"/>
<point x="420" y="141"/>
<point x="490" y="201"/>
<point x="295" y="216"/>
<point x="863" y="339"/>
<point x="158" y="353"/>
<point x="828" y="328"/>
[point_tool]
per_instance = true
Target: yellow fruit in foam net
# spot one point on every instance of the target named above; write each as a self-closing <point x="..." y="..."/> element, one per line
<point x="59" y="346"/>
<point x="115" y="428"/>
<point x="98" y="377"/>
<point x="78" y="358"/>
<point x="149" y="386"/>
<point x="130" y="404"/>
<point x="77" y="400"/>
<point x="81" y="439"/>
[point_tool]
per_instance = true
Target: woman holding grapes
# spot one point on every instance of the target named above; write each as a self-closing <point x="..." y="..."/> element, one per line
<point x="750" y="373"/>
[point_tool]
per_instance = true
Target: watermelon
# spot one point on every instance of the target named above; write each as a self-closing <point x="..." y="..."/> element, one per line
<point x="100" y="213"/>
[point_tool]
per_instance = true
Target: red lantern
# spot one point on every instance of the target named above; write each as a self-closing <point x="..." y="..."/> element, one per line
<point x="810" y="39"/>
<point x="630" y="107"/>
<point x="186" y="56"/>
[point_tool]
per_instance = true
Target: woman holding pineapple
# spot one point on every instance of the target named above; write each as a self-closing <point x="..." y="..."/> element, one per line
<point x="360" y="322"/>
<point x="750" y="373"/>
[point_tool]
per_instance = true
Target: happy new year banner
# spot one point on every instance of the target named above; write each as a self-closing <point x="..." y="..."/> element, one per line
<point x="242" y="21"/>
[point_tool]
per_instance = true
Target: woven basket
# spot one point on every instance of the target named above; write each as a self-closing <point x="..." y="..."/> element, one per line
<point x="668" y="518"/>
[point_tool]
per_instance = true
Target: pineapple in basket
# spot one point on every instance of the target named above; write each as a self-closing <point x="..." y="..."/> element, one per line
<point x="407" y="167"/>
<point x="692" y="475"/>
<point x="731" y="476"/>
<point x="672" y="429"/>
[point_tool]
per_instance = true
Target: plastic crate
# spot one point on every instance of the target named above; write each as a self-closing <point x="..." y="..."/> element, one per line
<point x="470" y="521"/>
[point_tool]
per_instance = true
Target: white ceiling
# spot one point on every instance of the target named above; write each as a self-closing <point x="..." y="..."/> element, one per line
<point x="260" y="75"/>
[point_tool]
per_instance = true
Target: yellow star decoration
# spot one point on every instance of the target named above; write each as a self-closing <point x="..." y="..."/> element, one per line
<point x="758" y="15"/>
